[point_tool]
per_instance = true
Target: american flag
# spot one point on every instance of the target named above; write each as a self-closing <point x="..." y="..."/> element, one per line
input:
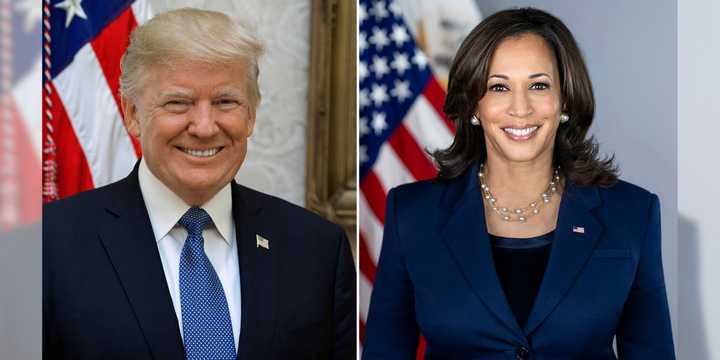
<point x="85" y="144"/>
<point x="19" y="113"/>
<point x="400" y="118"/>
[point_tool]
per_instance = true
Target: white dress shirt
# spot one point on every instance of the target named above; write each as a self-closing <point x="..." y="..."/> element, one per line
<point x="165" y="209"/>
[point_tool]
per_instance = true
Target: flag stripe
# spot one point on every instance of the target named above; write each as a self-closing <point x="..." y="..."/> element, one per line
<point x="436" y="96"/>
<point x="362" y="335"/>
<point x="69" y="154"/>
<point x="94" y="116"/>
<point x="365" y="287"/>
<point x="390" y="170"/>
<point x="142" y="12"/>
<point x="367" y="265"/>
<point x="422" y="123"/>
<point x="375" y="194"/>
<point x="414" y="158"/>
<point x="371" y="229"/>
<point x="109" y="46"/>
<point x="421" y="348"/>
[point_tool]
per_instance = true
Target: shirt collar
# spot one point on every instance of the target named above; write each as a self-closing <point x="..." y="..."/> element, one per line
<point x="165" y="208"/>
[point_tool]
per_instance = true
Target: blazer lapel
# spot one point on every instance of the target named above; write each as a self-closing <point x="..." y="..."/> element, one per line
<point x="576" y="233"/>
<point x="130" y="244"/>
<point x="465" y="234"/>
<point x="258" y="277"/>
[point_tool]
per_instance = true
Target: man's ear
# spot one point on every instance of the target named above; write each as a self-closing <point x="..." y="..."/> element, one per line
<point x="251" y="121"/>
<point x="131" y="118"/>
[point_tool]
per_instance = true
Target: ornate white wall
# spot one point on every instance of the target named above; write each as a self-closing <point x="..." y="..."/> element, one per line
<point x="276" y="153"/>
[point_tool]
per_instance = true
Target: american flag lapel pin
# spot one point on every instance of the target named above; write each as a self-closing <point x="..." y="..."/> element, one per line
<point x="262" y="242"/>
<point x="578" y="229"/>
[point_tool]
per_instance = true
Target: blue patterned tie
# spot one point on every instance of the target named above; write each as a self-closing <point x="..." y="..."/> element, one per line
<point x="207" y="329"/>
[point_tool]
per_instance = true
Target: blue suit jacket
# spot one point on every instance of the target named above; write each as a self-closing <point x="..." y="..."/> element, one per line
<point x="105" y="295"/>
<point x="436" y="277"/>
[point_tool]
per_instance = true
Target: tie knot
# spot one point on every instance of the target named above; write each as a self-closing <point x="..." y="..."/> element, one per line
<point x="195" y="221"/>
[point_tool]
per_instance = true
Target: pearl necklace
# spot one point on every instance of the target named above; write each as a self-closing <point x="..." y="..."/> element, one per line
<point x="519" y="214"/>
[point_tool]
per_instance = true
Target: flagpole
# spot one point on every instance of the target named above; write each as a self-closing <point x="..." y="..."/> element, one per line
<point x="49" y="167"/>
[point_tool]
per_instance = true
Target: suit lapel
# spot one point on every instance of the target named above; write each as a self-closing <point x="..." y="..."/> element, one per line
<point x="258" y="277"/>
<point x="465" y="234"/>
<point x="130" y="244"/>
<point x="576" y="233"/>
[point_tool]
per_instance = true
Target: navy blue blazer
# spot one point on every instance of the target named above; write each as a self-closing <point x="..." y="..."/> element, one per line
<point x="105" y="295"/>
<point x="436" y="277"/>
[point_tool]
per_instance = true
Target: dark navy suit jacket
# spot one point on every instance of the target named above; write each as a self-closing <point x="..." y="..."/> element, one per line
<point x="436" y="277"/>
<point x="105" y="295"/>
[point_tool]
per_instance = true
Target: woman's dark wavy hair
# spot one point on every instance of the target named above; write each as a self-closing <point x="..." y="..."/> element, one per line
<point x="576" y="155"/>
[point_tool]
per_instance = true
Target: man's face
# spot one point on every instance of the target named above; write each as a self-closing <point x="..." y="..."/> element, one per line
<point x="193" y="120"/>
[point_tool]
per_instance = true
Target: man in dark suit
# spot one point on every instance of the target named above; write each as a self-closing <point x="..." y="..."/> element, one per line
<point x="177" y="260"/>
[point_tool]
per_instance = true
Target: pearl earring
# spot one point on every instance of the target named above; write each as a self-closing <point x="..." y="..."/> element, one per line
<point x="564" y="118"/>
<point x="474" y="120"/>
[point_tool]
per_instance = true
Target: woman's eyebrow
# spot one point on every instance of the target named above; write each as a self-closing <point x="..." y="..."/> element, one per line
<point x="537" y="75"/>
<point x="531" y="76"/>
<point x="501" y="76"/>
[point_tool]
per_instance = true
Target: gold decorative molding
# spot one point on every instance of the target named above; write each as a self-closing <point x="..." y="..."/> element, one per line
<point x="331" y="150"/>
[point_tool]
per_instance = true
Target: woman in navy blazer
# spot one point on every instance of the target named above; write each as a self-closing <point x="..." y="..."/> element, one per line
<point x="527" y="245"/>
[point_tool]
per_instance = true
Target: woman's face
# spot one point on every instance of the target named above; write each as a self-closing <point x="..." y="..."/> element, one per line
<point x="520" y="110"/>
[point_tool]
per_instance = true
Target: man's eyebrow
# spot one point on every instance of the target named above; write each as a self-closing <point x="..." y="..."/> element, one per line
<point x="229" y="91"/>
<point x="175" y="94"/>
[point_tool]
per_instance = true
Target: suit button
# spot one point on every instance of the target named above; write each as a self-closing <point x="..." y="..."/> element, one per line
<point x="522" y="353"/>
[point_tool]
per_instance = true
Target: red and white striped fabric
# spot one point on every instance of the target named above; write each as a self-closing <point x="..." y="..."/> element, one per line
<point x="401" y="161"/>
<point x="85" y="144"/>
<point x="396" y="127"/>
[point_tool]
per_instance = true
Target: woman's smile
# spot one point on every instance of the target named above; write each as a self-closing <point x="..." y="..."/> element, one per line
<point x="523" y="133"/>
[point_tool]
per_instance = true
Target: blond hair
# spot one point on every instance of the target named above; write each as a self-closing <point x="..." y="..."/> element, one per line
<point x="190" y="34"/>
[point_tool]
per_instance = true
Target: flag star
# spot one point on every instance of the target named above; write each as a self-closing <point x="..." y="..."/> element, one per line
<point x="364" y="99"/>
<point x="32" y="11"/>
<point x="400" y="63"/>
<point x="364" y="129"/>
<point x="362" y="70"/>
<point x="362" y="41"/>
<point x="379" y="10"/>
<point x="379" y="38"/>
<point x="394" y="8"/>
<point x="378" y="94"/>
<point x="72" y="8"/>
<point x="378" y="123"/>
<point x="419" y="59"/>
<point x="380" y="66"/>
<point x="401" y="90"/>
<point x="361" y="13"/>
<point x="399" y="35"/>
<point x="363" y="154"/>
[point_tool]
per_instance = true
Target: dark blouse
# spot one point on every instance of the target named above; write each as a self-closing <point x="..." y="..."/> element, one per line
<point x="520" y="265"/>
